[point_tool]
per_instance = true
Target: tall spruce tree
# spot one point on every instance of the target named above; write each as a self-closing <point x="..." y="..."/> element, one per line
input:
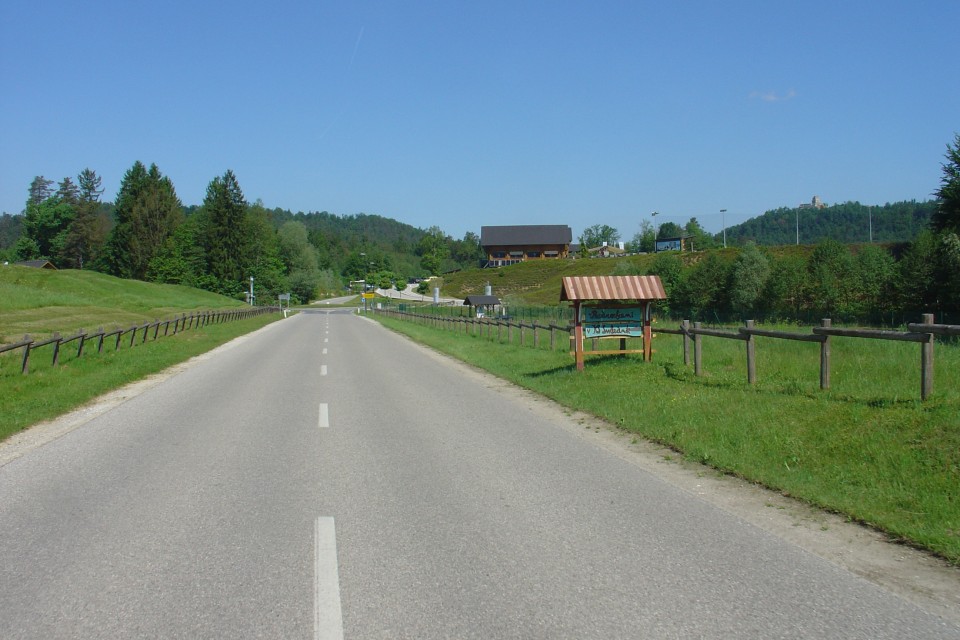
<point x="89" y="183"/>
<point x="68" y="192"/>
<point x="147" y="213"/>
<point x="947" y="215"/>
<point x="225" y="209"/>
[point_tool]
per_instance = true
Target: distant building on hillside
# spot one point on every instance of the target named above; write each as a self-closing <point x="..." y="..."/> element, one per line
<point x="816" y="203"/>
<point x="36" y="264"/>
<point x="506" y="245"/>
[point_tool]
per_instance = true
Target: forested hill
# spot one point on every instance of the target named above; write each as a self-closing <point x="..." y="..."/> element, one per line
<point x="847" y="223"/>
<point x="336" y="236"/>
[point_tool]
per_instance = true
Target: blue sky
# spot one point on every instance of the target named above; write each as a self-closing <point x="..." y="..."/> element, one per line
<point x="462" y="114"/>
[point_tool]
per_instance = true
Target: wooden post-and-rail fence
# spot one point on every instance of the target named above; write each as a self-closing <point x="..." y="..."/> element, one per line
<point x="175" y="325"/>
<point x="922" y="332"/>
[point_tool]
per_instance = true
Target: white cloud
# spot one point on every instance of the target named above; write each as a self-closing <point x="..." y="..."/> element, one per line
<point x="773" y="96"/>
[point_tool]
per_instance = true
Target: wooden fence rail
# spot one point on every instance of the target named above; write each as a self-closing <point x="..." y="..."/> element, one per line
<point x="181" y="323"/>
<point x="922" y="333"/>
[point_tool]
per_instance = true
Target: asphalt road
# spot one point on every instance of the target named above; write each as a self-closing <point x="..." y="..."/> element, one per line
<point x="324" y="478"/>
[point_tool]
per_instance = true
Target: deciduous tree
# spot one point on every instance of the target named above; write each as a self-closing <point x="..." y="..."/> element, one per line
<point x="597" y="234"/>
<point x="751" y="270"/>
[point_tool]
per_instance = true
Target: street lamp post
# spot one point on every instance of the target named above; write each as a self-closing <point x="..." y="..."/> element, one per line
<point x="655" y="229"/>
<point x="870" y="217"/>
<point x="723" y="218"/>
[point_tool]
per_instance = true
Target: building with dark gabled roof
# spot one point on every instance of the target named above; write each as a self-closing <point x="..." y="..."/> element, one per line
<point x="484" y="305"/>
<point x="36" y="264"/>
<point x="516" y="243"/>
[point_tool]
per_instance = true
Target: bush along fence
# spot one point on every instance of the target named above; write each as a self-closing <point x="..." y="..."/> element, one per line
<point x="923" y="333"/>
<point x="137" y="334"/>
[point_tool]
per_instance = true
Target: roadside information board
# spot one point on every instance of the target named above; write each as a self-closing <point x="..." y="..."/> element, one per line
<point x="600" y="322"/>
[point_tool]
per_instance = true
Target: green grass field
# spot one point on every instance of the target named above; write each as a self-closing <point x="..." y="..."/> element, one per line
<point x="39" y="302"/>
<point x="867" y="448"/>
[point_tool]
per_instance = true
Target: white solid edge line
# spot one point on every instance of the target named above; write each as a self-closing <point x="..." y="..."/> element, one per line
<point x="324" y="416"/>
<point x="327" y="614"/>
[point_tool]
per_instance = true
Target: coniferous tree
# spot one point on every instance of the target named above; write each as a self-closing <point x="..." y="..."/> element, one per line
<point x="225" y="209"/>
<point x="68" y="192"/>
<point x="116" y="259"/>
<point x="947" y="215"/>
<point x="89" y="183"/>
<point x="147" y="213"/>
<point x="39" y="190"/>
<point x="88" y="230"/>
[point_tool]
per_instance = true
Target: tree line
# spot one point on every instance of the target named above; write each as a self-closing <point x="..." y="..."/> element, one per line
<point x="148" y="234"/>
<point x="888" y="283"/>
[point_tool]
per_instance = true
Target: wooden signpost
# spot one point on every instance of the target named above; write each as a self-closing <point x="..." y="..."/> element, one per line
<point x="608" y="307"/>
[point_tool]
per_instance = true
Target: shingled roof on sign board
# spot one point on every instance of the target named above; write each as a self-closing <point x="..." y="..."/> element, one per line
<point x="577" y="288"/>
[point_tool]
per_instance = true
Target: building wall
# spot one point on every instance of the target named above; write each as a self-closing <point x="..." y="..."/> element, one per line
<point x="502" y="255"/>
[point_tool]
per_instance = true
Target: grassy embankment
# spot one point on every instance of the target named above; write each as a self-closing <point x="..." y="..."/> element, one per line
<point x="867" y="448"/>
<point x="39" y="302"/>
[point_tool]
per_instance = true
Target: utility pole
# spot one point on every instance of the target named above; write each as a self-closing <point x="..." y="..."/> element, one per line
<point x="723" y="214"/>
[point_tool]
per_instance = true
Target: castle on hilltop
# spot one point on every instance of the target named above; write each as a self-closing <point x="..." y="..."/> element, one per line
<point x="816" y="203"/>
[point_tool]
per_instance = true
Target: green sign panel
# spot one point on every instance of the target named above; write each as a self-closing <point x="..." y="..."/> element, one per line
<point x="599" y="322"/>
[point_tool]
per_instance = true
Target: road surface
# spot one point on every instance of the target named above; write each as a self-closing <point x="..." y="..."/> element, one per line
<point x="325" y="478"/>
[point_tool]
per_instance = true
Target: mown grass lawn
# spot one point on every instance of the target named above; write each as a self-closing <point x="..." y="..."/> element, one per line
<point x="867" y="448"/>
<point x="39" y="302"/>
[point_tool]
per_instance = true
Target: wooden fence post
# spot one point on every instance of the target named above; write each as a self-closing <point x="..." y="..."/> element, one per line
<point x="536" y="337"/>
<point x="25" y="365"/>
<point x="926" y="361"/>
<point x="83" y="339"/>
<point x="685" y="326"/>
<point x="697" y="351"/>
<point x="56" y="347"/>
<point x="100" y="340"/>
<point x="751" y="355"/>
<point x="553" y="337"/>
<point x="825" y="356"/>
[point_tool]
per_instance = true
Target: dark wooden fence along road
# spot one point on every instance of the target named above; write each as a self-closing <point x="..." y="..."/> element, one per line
<point x="922" y="332"/>
<point x="179" y="324"/>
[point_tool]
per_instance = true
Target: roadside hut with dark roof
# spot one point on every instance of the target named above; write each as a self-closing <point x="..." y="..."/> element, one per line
<point x="36" y="264"/>
<point x="612" y="307"/>
<point x="482" y="305"/>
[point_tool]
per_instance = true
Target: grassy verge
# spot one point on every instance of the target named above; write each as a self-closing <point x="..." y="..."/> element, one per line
<point x="39" y="302"/>
<point x="867" y="448"/>
<point x="48" y="391"/>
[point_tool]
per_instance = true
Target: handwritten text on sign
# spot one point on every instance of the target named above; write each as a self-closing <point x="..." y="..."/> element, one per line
<point x="599" y="322"/>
